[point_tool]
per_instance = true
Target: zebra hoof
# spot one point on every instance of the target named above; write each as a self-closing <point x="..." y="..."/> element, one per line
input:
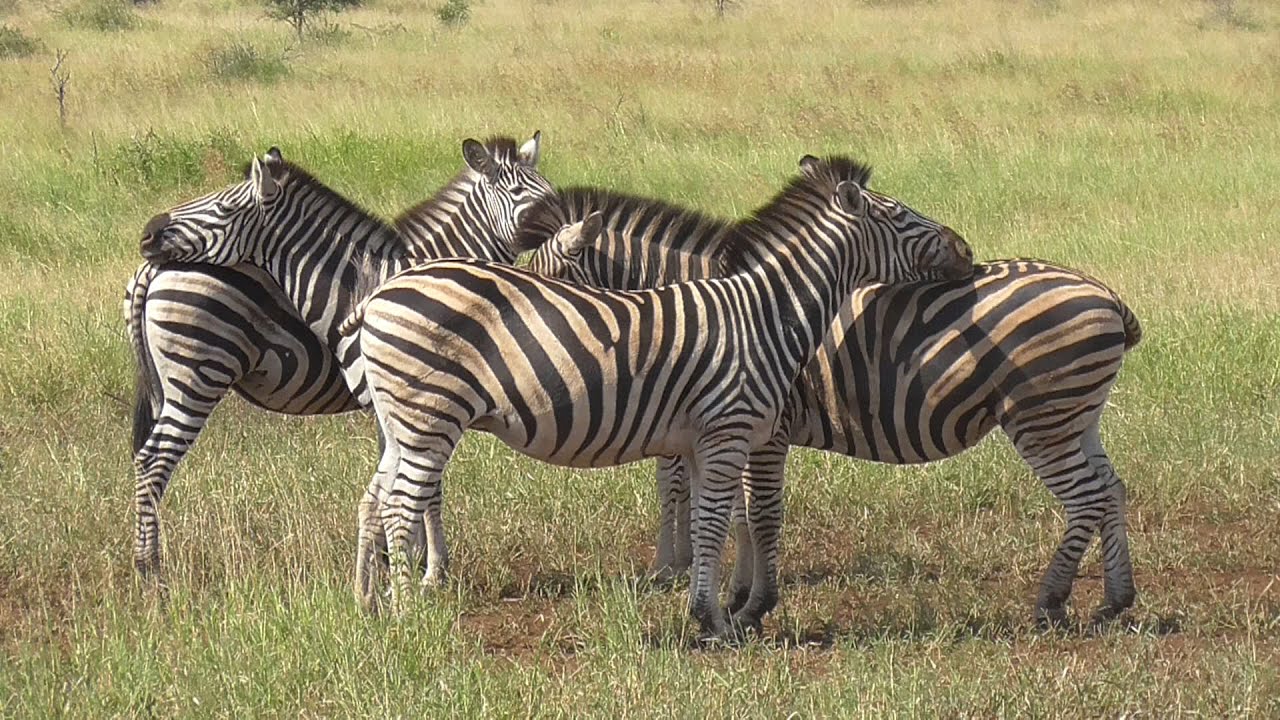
<point x="1109" y="611"/>
<point x="1051" y="618"/>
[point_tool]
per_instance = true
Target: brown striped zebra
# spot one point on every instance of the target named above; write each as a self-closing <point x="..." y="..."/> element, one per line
<point x="907" y="373"/>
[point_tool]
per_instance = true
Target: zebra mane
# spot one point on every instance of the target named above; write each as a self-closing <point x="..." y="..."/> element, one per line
<point x="295" y="177"/>
<point x="503" y="149"/>
<point x="546" y="217"/>
<point x="810" y="185"/>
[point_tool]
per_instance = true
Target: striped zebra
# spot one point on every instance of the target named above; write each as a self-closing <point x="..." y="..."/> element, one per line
<point x="200" y="330"/>
<point x="909" y="373"/>
<point x="587" y="378"/>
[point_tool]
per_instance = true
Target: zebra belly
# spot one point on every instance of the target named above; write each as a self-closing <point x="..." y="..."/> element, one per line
<point x="219" y="326"/>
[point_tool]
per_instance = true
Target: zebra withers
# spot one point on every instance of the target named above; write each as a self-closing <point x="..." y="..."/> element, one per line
<point x="588" y="378"/>
<point x="911" y="373"/>
<point x="200" y="330"/>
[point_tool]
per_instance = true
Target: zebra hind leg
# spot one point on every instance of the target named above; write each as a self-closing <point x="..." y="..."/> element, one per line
<point x="671" y="559"/>
<point x="1119" y="591"/>
<point x="164" y="446"/>
<point x="416" y="495"/>
<point x="1086" y="498"/>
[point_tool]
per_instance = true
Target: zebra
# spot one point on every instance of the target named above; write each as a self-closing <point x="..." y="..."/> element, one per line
<point x="585" y="377"/>
<point x="200" y="330"/>
<point x="908" y="373"/>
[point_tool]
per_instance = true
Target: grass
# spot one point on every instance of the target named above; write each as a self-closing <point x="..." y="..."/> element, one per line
<point x="1130" y="139"/>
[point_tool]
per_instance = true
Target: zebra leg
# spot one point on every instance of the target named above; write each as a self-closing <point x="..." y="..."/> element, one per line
<point x="372" y="556"/>
<point x="716" y="474"/>
<point x="762" y="489"/>
<point x="170" y="437"/>
<point x="673" y="483"/>
<point x="1071" y="478"/>
<point x="744" y="560"/>
<point x="415" y="494"/>
<point x="1119" y="591"/>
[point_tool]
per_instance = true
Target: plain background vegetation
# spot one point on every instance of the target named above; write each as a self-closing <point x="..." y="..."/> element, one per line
<point x="1135" y="140"/>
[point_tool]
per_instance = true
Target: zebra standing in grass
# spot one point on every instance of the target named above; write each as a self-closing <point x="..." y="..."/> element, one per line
<point x="200" y="330"/>
<point x="909" y="373"/>
<point x="588" y="378"/>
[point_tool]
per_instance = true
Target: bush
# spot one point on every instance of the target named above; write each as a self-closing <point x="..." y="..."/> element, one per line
<point x="241" y="60"/>
<point x="104" y="15"/>
<point x="302" y="13"/>
<point x="15" y="44"/>
<point x="454" y="13"/>
<point x="324" y="32"/>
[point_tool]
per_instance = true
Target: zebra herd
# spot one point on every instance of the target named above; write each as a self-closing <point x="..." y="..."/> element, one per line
<point x="832" y="317"/>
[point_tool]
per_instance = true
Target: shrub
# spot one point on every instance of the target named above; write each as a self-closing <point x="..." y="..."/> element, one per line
<point x="15" y="44"/>
<point x="241" y="60"/>
<point x="454" y="13"/>
<point x="302" y="13"/>
<point x="104" y="15"/>
<point x="328" y="33"/>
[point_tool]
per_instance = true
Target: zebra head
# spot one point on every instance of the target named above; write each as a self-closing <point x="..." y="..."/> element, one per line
<point x="923" y="248"/>
<point x="223" y="227"/>
<point x="561" y="256"/>
<point x="507" y="181"/>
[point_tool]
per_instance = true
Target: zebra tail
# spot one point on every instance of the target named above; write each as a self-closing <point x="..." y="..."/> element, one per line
<point x="368" y="276"/>
<point x="1132" y="328"/>
<point x="147" y="391"/>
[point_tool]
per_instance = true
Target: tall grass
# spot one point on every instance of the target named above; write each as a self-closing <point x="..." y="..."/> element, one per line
<point x="1127" y="139"/>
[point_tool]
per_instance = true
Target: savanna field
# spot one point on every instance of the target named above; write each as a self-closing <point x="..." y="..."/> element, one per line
<point x="1136" y="141"/>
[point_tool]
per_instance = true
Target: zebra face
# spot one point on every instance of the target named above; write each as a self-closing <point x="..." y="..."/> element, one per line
<point x="509" y="183"/>
<point x="220" y="228"/>
<point x="561" y="257"/>
<point x="910" y="245"/>
<point x="927" y="249"/>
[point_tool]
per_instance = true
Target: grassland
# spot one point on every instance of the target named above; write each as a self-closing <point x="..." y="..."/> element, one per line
<point x="1135" y="140"/>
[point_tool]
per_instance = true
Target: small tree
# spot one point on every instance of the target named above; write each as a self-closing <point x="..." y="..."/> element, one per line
<point x="300" y="13"/>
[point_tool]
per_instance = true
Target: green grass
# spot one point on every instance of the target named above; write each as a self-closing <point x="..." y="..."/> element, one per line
<point x="1134" y="140"/>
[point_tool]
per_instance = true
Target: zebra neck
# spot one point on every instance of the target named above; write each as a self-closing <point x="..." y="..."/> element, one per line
<point x="794" y="297"/>
<point x="453" y="224"/>
<point x="320" y="277"/>
<point x="627" y="263"/>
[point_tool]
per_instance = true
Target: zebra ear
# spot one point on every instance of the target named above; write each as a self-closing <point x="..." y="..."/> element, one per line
<point x="264" y="185"/>
<point x="582" y="234"/>
<point x="478" y="158"/>
<point x="531" y="150"/>
<point x="811" y="166"/>
<point x="273" y="155"/>
<point x="850" y="200"/>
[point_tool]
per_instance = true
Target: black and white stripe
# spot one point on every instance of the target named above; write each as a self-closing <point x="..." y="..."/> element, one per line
<point x="585" y="377"/>
<point x="200" y="330"/>
<point x="912" y="373"/>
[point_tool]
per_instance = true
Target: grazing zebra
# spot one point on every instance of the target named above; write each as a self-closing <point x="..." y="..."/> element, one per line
<point x="909" y="373"/>
<point x="586" y="378"/>
<point x="200" y="330"/>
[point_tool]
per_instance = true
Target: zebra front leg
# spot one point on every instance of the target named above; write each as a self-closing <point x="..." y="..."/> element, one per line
<point x="762" y="490"/>
<point x="716" y="470"/>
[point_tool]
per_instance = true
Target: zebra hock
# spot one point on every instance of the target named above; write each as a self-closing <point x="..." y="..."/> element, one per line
<point x="587" y="378"/>
<point x="910" y="374"/>
<point x="200" y="330"/>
